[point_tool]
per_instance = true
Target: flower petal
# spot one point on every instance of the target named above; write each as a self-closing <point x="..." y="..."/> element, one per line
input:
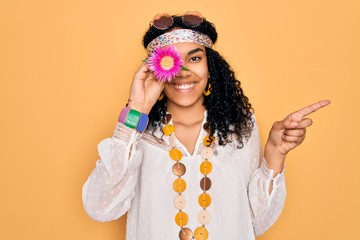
<point x="165" y="62"/>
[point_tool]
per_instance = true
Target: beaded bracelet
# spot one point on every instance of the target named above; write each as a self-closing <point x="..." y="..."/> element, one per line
<point x="133" y="119"/>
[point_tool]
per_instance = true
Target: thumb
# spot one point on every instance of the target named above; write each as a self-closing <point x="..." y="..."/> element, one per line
<point x="287" y="123"/>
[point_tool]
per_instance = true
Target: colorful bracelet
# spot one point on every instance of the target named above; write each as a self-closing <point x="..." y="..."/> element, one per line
<point x="143" y="122"/>
<point x="123" y="114"/>
<point x="133" y="119"/>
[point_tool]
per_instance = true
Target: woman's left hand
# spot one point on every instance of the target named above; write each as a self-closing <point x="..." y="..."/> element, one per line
<point x="287" y="134"/>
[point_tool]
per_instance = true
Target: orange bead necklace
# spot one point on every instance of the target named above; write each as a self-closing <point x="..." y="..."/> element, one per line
<point x="179" y="184"/>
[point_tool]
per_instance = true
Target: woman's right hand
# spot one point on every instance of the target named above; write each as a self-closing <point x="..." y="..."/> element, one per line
<point x="145" y="90"/>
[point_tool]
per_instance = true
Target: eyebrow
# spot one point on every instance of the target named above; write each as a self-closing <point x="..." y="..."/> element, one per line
<point x="195" y="51"/>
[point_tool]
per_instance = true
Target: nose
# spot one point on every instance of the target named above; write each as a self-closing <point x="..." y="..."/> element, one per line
<point x="183" y="73"/>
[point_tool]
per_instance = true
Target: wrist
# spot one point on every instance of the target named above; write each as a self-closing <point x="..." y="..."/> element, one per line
<point x="133" y="119"/>
<point x="143" y="108"/>
<point x="274" y="159"/>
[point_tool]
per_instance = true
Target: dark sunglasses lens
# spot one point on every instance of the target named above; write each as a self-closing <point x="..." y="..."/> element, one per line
<point x="162" y="22"/>
<point x="192" y="20"/>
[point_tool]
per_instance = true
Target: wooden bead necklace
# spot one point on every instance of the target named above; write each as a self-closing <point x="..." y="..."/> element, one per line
<point x="179" y="184"/>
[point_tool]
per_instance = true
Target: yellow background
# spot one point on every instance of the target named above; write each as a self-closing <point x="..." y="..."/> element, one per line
<point x="66" y="68"/>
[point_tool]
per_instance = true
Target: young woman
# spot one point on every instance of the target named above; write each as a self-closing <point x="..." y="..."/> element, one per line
<point x="184" y="161"/>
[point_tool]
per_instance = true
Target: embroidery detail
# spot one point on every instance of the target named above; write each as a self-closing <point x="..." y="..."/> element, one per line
<point x="179" y="36"/>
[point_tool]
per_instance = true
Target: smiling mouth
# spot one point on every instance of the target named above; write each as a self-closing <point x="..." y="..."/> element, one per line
<point x="183" y="87"/>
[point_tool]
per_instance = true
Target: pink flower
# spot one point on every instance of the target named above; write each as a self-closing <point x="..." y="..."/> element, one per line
<point x="165" y="63"/>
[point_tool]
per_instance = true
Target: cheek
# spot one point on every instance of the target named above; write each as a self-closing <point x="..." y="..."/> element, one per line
<point x="166" y="89"/>
<point x="202" y="72"/>
<point x="204" y="79"/>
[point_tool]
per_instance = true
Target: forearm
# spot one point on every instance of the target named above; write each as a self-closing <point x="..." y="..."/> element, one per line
<point x="266" y="205"/>
<point x="107" y="192"/>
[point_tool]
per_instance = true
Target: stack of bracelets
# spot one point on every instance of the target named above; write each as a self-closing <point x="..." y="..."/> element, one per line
<point x="133" y="119"/>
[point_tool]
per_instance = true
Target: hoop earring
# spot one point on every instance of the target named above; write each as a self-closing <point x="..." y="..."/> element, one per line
<point x="161" y="96"/>
<point x="208" y="91"/>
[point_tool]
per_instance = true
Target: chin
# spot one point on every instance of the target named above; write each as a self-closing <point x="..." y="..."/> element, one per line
<point x="187" y="102"/>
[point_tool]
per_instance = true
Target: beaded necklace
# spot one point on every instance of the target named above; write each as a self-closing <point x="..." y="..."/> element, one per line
<point x="179" y="184"/>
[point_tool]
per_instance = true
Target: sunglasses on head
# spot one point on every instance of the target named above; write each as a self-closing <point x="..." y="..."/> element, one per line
<point x="164" y="21"/>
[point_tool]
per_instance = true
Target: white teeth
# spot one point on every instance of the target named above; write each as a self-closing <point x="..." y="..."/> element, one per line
<point x="184" y="86"/>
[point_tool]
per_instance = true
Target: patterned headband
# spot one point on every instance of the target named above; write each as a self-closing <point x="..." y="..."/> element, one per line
<point x="179" y="36"/>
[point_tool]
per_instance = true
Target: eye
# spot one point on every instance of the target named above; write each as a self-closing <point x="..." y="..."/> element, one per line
<point x="194" y="59"/>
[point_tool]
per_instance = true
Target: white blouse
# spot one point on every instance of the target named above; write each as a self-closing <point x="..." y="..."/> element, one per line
<point x="134" y="175"/>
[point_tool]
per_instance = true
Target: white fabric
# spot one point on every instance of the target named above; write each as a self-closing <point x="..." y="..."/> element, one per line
<point x="134" y="175"/>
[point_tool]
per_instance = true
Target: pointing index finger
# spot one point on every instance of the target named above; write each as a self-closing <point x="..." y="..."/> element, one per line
<point x="298" y="115"/>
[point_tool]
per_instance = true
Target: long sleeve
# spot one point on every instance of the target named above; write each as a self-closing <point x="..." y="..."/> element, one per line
<point x="266" y="207"/>
<point x="108" y="191"/>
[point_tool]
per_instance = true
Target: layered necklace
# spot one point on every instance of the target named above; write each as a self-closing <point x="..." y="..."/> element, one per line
<point x="179" y="184"/>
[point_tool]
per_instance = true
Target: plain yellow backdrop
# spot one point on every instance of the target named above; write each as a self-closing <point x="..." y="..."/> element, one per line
<point x="66" y="68"/>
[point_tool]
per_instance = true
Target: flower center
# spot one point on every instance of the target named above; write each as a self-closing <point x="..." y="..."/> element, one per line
<point x="167" y="62"/>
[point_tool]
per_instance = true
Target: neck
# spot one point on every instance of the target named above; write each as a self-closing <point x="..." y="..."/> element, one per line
<point x="186" y="115"/>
